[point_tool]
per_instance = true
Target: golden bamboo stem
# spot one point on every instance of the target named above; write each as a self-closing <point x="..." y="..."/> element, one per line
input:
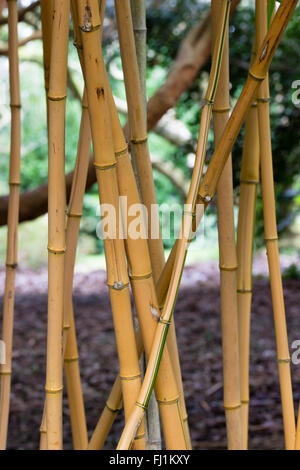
<point x="227" y="251"/>
<point x="56" y="218"/>
<point x="71" y="358"/>
<point x="138" y="131"/>
<point x="271" y="239"/>
<point x="143" y="288"/>
<point x="245" y="235"/>
<point x="12" y="220"/>
<point x="105" y="164"/>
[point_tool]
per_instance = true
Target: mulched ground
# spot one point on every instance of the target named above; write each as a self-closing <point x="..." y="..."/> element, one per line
<point x="199" y="338"/>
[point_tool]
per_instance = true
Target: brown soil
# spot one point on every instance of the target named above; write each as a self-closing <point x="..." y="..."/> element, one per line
<point x="199" y="337"/>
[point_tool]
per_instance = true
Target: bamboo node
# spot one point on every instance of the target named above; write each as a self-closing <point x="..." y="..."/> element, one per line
<point x="288" y="360"/>
<point x="140" y="277"/>
<point x="5" y="372"/>
<point x="122" y="152"/>
<point x="71" y="359"/>
<point x="274" y="239"/>
<point x="244" y="402"/>
<point x="232" y="408"/>
<point x="254" y="77"/>
<point x="191" y="213"/>
<point x="105" y="167"/>
<point x="18" y="106"/>
<point x="56" y="251"/>
<point x="140" y="405"/>
<point x="54" y="391"/>
<point x="141" y="140"/>
<point x="132" y="377"/>
<point x="249" y="182"/>
<point x="164" y="322"/>
<point x="11" y="265"/>
<point x="221" y="110"/>
<point x="140" y="436"/>
<point x="223" y="267"/>
<point x="56" y="98"/>
<point x="168" y="402"/>
<point x="244" y="291"/>
<point x="113" y="410"/>
<point x="74" y="215"/>
<point x="119" y="285"/>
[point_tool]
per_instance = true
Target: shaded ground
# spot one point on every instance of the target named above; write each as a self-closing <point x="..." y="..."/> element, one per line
<point x="199" y="338"/>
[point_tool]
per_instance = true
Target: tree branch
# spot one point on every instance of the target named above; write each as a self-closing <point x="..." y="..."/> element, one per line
<point x="36" y="35"/>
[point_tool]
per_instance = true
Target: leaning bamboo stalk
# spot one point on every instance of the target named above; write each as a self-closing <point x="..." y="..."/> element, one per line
<point x="141" y="158"/>
<point x="13" y="218"/>
<point x="138" y="132"/>
<point x="74" y="389"/>
<point x="105" y="165"/>
<point x="159" y="340"/>
<point x="166" y="389"/>
<point x="138" y="13"/>
<point x="56" y="220"/>
<point x="112" y="406"/>
<point x="71" y="358"/>
<point x="256" y="75"/>
<point x="227" y="251"/>
<point x="271" y="239"/>
<point x="245" y="237"/>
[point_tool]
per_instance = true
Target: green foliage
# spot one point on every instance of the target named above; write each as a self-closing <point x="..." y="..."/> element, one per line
<point x="292" y="272"/>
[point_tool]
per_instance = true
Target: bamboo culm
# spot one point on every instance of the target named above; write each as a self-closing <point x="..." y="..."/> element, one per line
<point x="56" y="220"/>
<point x="227" y="253"/>
<point x="13" y="218"/>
